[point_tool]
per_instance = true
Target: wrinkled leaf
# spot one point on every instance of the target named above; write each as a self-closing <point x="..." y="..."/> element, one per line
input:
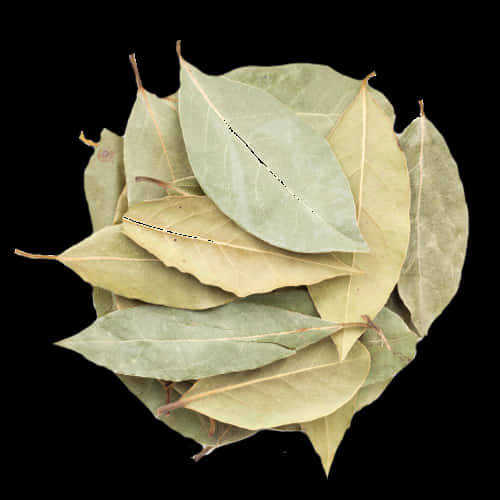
<point x="264" y="167"/>
<point x="326" y="433"/>
<point x="179" y="344"/>
<point x="193" y="235"/>
<point x="368" y="150"/>
<point x="309" y="385"/>
<point x="110" y="260"/>
<point x="154" y="147"/>
<point x="439" y="225"/>
<point x="316" y="93"/>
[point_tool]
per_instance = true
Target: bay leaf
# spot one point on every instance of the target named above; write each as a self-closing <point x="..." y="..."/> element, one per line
<point x="326" y="433"/>
<point x="396" y="305"/>
<point x="309" y="385"/>
<point x="154" y="147"/>
<point x="315" y="92"/>
<point x="179" y="344"/>
<point x="371" y="392"/>
<point x="368" y="150"/>
<point x="109" y="260"/>
<point x="264" y="167"/>
<point x="190" y="424"/>
<point x="193" y="235"/>
<point x="387" y="363"/>
<point x="104" y="179"/>
<point x="439" y="225"/>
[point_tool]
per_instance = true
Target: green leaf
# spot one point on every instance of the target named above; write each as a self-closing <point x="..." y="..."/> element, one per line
<point x="193" y="235"/>
<point x="154" y="147"/>
<point x="439" y="225"/>
<point x="104" y="179"/>
<point x="316" y="93"/>
<point x="368" y="150"/>
<point x="387" y="363"/>
<point x="177" y="344"/>
<point x="109" y="260"/>
<point x="309" y="385"/>
<point x="369" y="393"/>
<point x="326" y="433"/>
<point x="190" y="424"/>
<point x="264" y="167"/>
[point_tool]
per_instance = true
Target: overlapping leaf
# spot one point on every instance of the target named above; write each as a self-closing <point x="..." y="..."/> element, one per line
<point x="368" y="150"/>
<point x="309" y="385"/>
<point x="178" y="344"/>
<point x="193" y="235"/>
<point x="439" y="225"/>
<point x="264" y="167"/>
<point x="109" y="260"/>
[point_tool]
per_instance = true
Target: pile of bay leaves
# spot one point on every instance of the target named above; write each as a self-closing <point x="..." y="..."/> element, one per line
<point x="267" y="252"/>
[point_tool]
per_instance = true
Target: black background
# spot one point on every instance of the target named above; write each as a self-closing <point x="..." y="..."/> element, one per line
<point x="76" y="427"/>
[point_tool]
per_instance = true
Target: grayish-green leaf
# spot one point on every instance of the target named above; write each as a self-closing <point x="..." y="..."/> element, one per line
<point x="316" y="93"/>
<point x="439" y="225"/>
<point x="177" y="344"/>
<point x="369" y="393"/>
<point x="311" y="384"/>
<point x="193" y="235"/>
<point x="387" y="363"/>
<point x="154" y="147"/>
<point x="264" y="167"/>
<point x="291" y="298"/>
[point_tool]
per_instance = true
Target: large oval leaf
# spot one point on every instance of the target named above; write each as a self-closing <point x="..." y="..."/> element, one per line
<point x="264" y="167"/>
<point x="178" y="344"/>
<point x="367" y="147"/>
<point x="439" y="225"/>
<point x="309" y="385"/>
<point x="110" y="260"/>
<point x="193" y="235"/>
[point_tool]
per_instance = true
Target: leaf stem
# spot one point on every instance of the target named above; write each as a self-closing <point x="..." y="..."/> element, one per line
<point x="35" y="255"/>
<point x="88" y="142"/>
<point x="372" y="325"/>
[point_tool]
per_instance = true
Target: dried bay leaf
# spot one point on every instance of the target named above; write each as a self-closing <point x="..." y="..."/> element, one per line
<point x="369" y="393"/>
<point x="104" y="179"/>
<point x="368" y="150"/>
<point x="315" y="92"/>
<point x="109" y="260"/>
<point x="439" y="225"/>
<point x="291" y="298"/>
<point x="179" y="344"/>
<point x="191" y="234"/>
<point x="327" y="432"/>
<point x="264" y="167"/>
<point x="154" y="147"/>
<point x="311" y="384"/>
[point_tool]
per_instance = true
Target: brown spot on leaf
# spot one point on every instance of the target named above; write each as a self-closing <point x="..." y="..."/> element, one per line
<point x="105" y="154"/>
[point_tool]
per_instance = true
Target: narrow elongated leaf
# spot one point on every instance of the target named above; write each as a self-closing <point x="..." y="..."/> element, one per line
<point x="104" y="179"/>
<point x="190" y="424"/>
<point x="316" y="93"/>
<point x="110" y="260"/>
<point x="326" y="433"/>
<point x="177" y="344"/>
<point x="154" y="147"/>
<point x="439" y="225"/>
<point x="264" y="167"/>
<point x="193" y="235"/>
<point x="309" y="385"/>
<point x="368" y="150"/>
